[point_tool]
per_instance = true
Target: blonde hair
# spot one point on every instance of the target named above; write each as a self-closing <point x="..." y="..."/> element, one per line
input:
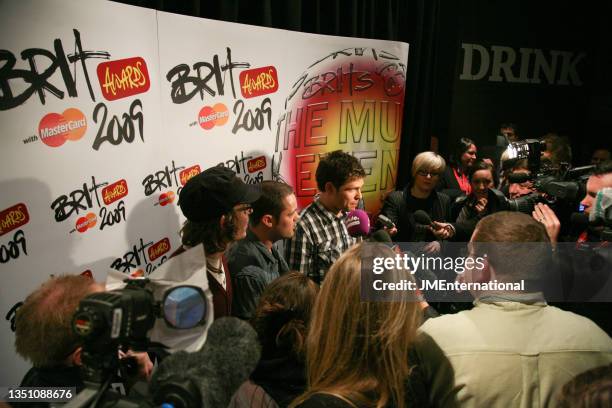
<point x="428" y="161"/>
<point x="357" y="350"/>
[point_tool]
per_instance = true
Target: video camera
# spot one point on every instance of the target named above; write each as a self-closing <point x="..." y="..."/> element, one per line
<point x="555" y="184"/>
<point x="109" y="321"/>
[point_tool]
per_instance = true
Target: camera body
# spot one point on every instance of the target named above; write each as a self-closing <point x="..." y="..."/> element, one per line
<point x="560" y="186"/>
<point x="123" y="318"/>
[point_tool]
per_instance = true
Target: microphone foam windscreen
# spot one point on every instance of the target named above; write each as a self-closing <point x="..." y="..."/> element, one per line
<point x="230" y="353"/>
<point x="422" y="217"/>
<point x="357" y="223"/>
<point x="226" y="360"/>
<point x="602" y="207"/>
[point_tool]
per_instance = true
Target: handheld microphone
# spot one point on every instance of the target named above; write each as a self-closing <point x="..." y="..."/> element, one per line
<point x="380" y="236"/>
<point x="208" y="377"/>
<point x="601" y="210"/>
<point x="385" y="221"/>
<point x="357" y="223"/>
<point x="422" y="217"/>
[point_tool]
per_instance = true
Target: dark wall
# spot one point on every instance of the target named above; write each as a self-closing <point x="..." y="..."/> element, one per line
<point x="576" y="105"/>
<point x="438" y="102"/>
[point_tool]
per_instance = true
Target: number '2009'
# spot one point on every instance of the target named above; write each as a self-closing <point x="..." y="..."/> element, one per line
<point x="252" y="119"/>
<point x="117" y="132"/>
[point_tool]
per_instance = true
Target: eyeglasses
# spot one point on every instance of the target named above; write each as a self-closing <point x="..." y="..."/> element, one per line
<point x="431" y="174"/>
<point x="246" y="208"/>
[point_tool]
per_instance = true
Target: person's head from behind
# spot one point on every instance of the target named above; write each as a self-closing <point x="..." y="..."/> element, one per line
<point x="44" y="334"/>
<point x="427" y="167"/>
<point x="275" y="213"/>
<point x="513" y="246"/>
<point x="600" y="179"/>
<point x="558" y="149"/>
<point x="283" y="315"/>
<point x="217" y="205"/>
<point x="600" y="155"/>
<point x="522" y="188"/>
<point x="464" y="154"/>
<point x="590" y="389"/>
<point x="359" y="349"/>
<point x="340" y="178"/>
<point x="481" y="178"/>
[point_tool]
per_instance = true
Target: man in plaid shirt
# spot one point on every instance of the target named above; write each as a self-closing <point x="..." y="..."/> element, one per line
<point x="321" y="235"/>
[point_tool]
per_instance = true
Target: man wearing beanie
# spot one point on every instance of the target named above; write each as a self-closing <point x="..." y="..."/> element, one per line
<point x="217" y="205"/>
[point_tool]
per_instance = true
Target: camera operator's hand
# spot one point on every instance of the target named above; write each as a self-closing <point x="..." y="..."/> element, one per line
<point x="543" y="214"/>
<point x="145" y="366"/>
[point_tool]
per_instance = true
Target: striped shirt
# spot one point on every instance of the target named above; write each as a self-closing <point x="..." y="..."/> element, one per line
<point x="320" y="238"/>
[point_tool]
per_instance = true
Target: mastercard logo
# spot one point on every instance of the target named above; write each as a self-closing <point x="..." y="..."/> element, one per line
<point x="166" y="198"/>
<point x="54" y="129"/>
<point x="211" y="116"/>
<point x="86" y="222"/>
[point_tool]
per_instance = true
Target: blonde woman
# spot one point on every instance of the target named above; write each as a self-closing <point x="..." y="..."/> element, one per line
<point x="357" y="352"/>
<point x="400" y="206"/>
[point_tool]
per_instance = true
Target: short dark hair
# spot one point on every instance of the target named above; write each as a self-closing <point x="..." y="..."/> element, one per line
<point x="461" y="146"/>
<point x="43" y="329"/>
<point x="602" y="168"/>
<point x="480" y="164"/>
<point x="270" y="201"/>
<point x="510" y="241"/>
<point x="560" y="149"/>
<point x="338" y="167"/>
<point x="510" y="125"/>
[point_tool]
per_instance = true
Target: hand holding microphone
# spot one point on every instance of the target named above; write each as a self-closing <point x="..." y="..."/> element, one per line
<point x="387" y="224"/>
<point x="441" y="230"/>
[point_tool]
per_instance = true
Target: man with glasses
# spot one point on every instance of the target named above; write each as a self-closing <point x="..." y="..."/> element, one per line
<point x="217" y="205"/>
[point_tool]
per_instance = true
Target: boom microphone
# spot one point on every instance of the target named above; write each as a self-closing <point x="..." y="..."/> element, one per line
<point x="211" y="376"/>
<point x="357" y="223"/>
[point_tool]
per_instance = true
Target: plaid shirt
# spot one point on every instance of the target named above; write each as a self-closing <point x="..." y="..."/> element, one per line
<point x="320" y="238"/>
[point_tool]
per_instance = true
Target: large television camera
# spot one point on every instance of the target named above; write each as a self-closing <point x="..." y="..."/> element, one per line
<point x="557" y="185"/>
<point x="122" y="320"/>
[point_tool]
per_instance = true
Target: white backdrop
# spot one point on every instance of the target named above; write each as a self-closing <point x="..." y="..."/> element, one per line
<point x="106" y="110"/>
